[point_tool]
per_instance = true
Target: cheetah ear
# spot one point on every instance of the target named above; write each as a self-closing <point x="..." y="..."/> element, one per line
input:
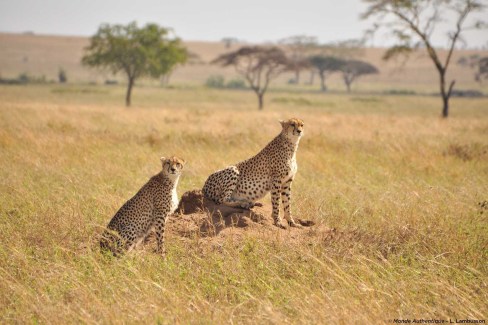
<point x="162" y="160"/>
<point x="282" y="122"/>
<point x="183" y="161"/>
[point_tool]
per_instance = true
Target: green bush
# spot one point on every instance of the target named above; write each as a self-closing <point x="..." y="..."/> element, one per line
<point x="236" y="84"/>
<point x="215" y="81"/>
<point x="62" y="77"/>
<point x="25" y="78"/>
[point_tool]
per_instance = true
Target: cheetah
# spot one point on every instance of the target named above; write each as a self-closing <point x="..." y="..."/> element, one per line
<point x="146" y="211"/>
<point x="272" y="169"/>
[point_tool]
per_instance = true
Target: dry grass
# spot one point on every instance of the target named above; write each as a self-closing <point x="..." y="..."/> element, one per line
<point x="402" y="187"/>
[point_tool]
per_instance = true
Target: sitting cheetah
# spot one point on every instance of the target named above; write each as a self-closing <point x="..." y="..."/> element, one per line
<point x="146" y="211"/>
<point x="272" y="169"/>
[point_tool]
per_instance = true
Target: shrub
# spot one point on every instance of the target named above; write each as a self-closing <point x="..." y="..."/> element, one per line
<point x="236" y="84"/>
<point x="23" y="78"/>
<point x="399" y="92"/>
<point x="215" y="81"/>
<point x="466" y="93"/>
<point x="62" y="77"/>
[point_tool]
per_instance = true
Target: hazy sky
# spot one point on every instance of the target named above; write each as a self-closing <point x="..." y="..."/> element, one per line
<point x="249" y="20"/>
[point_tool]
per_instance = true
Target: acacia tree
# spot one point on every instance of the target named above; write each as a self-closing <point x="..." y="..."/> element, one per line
<point x="482" y="72"/>
<point x="298" y="48"/>
<point x="326" y="65"/>
<point x="229" y="41"/>
<point x="191" y="59"/>
<point x="257" y="64"/>
<point x="345" y="50"/>
<point x="480" y="64"/>
<point x="413" y="22"/>
<point x="137" y="52"/>
<point x="353" y="69"/>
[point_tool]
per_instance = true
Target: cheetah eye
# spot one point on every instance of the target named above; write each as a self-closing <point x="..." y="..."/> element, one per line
<point x="178" y="165"/>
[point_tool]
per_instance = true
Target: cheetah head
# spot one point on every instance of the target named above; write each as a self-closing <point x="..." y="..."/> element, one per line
<point x="172" y="166"/>
<point x="292" y="128"/>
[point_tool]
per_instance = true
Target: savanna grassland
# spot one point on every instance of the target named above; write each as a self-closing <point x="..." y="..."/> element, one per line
<point x="402" y="185"/>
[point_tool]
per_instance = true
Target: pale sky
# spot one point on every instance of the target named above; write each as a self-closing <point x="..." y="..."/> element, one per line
<point x="253" y="21"/>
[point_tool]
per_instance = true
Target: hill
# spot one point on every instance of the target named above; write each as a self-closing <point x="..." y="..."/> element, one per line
<point x="43" y="55"/>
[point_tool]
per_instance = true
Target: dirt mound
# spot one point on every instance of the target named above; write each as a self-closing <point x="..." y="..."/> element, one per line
<point x="197" y="216"/>
<point x="202" y="222"/>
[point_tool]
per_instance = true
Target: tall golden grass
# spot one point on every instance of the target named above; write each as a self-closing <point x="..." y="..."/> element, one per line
<point x="401" y="185"/>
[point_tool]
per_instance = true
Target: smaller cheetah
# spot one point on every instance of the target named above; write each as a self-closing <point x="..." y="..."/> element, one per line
<point x="272" y="169"/>
<point x="146" y="211"/>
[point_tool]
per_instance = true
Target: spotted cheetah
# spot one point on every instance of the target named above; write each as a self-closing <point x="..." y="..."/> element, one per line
<point x="272" y="169"/>
<point x="146" y="211"/>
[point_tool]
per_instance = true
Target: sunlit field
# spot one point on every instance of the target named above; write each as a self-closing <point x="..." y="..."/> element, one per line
<point x="403" y="188"/>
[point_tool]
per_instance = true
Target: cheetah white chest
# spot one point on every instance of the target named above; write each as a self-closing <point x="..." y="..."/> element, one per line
<point x="293" y="167"/>
<point x="174" y="200"/>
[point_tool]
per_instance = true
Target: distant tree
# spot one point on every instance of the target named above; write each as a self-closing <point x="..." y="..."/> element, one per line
<point x="480" y="64"/>
<point x="326" y="65"/>
<point x="191" y="58"/>
<point x="229" y="41"/>
<point x="257" y="64"/>
<point x="62" y="77"/>
<point x="346" y="50"/>
<point x="413" y="20"/>
<point x="299" y="48"/>
<point x="137" y="52"/>
<point x="482" y="69"/>
<point x="353" y="69"/>
<point x="469" y="61"/>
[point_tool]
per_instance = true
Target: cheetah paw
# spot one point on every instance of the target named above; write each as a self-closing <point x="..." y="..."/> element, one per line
<point x="294" y="224"/>
<point x="279" y="225"/>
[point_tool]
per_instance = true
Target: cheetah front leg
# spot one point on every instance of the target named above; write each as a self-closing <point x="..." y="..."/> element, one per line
<point x="275" y="202"/>
<point x="286" y="200"/>
<point x="159" y="227"/>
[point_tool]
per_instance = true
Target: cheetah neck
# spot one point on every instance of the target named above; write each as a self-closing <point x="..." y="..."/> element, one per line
<point x="171" y="180"/>
<point x="291" y="143"/>
<point x="174" y="180"/>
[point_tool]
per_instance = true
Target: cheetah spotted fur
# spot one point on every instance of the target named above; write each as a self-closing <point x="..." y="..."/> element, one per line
<point x="145" y="212"/>
<point x="272" y="169"/>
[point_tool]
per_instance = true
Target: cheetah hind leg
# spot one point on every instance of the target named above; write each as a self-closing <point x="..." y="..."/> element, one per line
<point x="112" y="242"/>
<point x="235" y="203"/>
<point x="230" y="177"/>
